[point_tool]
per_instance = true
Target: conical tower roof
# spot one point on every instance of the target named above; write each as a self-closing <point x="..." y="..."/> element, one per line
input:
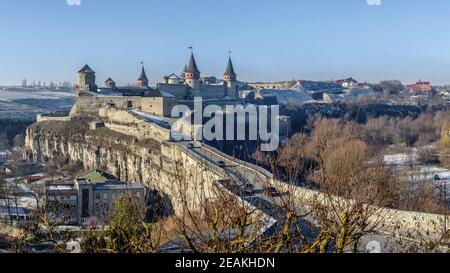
<point x="143" y="76"/>
<point x="192" y="67"/>
<point x="230" y="69"/>
<point x="86" y="69"/>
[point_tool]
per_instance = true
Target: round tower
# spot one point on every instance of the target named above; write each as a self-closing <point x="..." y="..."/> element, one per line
<point x="192" y="74"/>
<point x="229" y="78"/>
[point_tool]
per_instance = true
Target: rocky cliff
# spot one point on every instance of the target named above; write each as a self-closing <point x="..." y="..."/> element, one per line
<point x="158" y="165"/>
<point x="124" y="156"/>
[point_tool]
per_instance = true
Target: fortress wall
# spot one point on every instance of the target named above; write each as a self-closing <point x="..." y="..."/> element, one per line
<point x="180" y="91"/>
<point x="151" y="105"/>
<point x="90" y="105"/>
<point x="212" y="91"/>
<point x="41" y="118"/>
<point x="128" y="123"/>
<point x="160" y="106"/>
<point x="206" y="91"/>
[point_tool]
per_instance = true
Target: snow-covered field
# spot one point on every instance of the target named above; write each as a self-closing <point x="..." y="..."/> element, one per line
<point x="398" y="159"/>
<point x="421" y="172"/>
<point x="25" y="104"/>
<point x="14" y="95"/>
<point x="288" y="96"/>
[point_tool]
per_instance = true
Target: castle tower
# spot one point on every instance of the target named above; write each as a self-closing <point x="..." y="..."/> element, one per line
<point x="86" y="80"/>
<point x="109" y="83"/>
<point x="192" y="74"/>
<point x="230" y="79"/>
<point x="143" y="80"/>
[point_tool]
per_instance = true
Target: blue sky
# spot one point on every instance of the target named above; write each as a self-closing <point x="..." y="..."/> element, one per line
<point x="270" y="40"/>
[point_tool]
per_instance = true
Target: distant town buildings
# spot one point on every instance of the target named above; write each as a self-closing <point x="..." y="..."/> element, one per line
<point x="420" y="86"/>
<point x="299" y="92"/>
<point x="40" y="85"/>
<point x="348" y="83"/>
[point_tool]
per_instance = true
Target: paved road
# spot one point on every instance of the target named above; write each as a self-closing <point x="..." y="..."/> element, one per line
<point x="246" y="175"/>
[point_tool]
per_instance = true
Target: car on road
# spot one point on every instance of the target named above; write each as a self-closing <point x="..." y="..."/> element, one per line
<point x="221" y="163"/>
<point x="46" y="247"/>
<point x="230" y="185"/>
<point x="249" y="189"/>
<point x="271" y="192"/>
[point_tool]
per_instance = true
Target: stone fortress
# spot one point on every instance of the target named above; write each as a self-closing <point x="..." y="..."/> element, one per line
<point x="158" y="100"/>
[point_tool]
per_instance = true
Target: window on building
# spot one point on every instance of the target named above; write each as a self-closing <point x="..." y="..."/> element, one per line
<point x="85" y="203"/>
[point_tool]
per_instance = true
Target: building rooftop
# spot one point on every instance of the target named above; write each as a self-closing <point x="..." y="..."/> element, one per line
<point x="86" y="69"/>
<point x="135" y="91"/>
<point x="60" y="187"/>
<point x="173" y="76"/>
<point x="118" y="186"/>
<point x="14" y="210"/>
<point x="96" y="176"/>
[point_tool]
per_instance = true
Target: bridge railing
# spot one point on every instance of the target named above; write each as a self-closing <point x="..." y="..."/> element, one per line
<point x="239" y="162"/>
<point x="203" y="161"/>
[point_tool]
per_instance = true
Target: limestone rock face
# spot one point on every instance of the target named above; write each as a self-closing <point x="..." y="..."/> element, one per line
<point x="158" y="165"/>
<point x="125" y="157"/>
